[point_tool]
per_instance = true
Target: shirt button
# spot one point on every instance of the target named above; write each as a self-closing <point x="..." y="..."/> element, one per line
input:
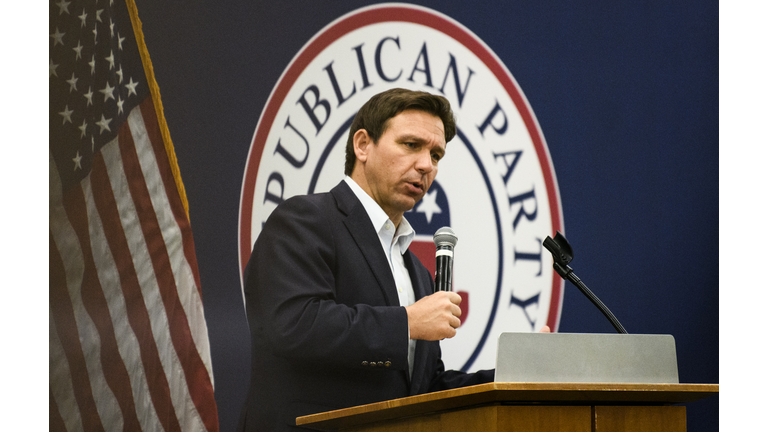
<point x="365" y="363"/>
<point x="388" y="226"/>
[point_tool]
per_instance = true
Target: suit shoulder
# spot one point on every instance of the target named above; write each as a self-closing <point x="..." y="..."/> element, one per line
<point x="309" y="202"/>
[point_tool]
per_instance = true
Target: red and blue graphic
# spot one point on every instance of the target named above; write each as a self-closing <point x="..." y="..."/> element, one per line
<point x="429" y="215"/>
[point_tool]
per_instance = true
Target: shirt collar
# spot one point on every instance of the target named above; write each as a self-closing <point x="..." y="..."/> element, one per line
<point x="404" y="234"/>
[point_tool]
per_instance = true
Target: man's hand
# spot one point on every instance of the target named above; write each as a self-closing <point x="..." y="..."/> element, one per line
<point x="435" y="317"/>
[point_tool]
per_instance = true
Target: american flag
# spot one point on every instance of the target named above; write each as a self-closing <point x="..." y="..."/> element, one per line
<point x="128" y="342"/>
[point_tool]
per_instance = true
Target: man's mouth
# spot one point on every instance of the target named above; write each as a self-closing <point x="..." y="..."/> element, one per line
<point x="416" y="187"/>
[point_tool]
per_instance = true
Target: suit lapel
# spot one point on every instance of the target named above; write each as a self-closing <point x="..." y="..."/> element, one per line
<point x="359" y="225"/>
<point x="421" y="286"/>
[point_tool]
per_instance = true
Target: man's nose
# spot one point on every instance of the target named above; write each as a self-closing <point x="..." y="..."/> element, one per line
<point x="424" y="162"/>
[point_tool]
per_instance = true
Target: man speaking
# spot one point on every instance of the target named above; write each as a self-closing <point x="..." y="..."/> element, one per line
<point x="341" y="313"/>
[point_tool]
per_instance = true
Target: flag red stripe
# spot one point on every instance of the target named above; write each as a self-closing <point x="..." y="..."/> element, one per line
<point x="138" y="316"/>
<point x="193" y="366"/>
<point x="55" y="421"/>
<point x="95" y="302"/>
<point x="201" y="389"/>
<point x="153" y="131"/>
<point x="66" y="327"/>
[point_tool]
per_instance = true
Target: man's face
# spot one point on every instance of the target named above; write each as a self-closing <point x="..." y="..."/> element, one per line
<point x="399" y="169"/>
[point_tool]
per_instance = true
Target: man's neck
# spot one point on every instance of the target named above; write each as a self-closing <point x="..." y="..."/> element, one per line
<point x="361" y="181"/>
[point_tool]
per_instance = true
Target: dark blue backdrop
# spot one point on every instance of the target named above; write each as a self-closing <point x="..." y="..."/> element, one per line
<point x="625" y="92"/>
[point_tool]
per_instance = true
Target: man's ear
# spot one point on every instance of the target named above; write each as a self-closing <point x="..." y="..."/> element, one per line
<point x="362" y="143"/>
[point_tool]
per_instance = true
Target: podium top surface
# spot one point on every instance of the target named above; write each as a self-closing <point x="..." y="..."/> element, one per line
<point x="511" y="393"/>
<point x="586" y="358"/>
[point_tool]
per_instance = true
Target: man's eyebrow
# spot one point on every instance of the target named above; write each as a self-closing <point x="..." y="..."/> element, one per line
<point x="407" y="137"/>
<point x="411" y="138"/>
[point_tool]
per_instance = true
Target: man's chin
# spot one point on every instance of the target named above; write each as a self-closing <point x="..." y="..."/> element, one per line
<point x="409" y="203"/>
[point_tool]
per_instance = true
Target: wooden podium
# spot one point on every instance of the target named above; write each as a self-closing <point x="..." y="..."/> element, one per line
<point x="530" y="407"/>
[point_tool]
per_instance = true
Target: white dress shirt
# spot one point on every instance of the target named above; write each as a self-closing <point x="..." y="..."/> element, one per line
<point x="395" y="242"/>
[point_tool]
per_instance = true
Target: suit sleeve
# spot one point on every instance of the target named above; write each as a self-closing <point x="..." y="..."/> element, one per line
<point x="437" y="378"/>
<point x="452" y="379"/>
<point x="291" y="296"/>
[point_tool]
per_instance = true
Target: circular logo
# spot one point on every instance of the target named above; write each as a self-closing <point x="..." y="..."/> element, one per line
<point x="495" y="187"/>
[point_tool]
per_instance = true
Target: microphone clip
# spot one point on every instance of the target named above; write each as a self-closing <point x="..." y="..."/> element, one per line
<point x="562" y="254"/>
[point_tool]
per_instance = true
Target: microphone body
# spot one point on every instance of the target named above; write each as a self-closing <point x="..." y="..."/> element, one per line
<point x="445" y="241"/>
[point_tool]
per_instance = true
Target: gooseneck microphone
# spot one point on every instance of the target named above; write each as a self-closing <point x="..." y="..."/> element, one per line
<point x="445" y="240"/>
<point x="562" y="253"/>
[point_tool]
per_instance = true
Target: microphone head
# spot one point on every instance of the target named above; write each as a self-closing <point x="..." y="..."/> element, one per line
<point x="445" y="237"/>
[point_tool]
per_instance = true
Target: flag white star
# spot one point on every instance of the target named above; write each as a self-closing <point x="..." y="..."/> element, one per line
<point x="89" y="96"/>
<point x="120" y="41"/>
<point x="104" y="124"/>
<point x="82" y="19"/>
<point x="58" y="37"/>
<point x="120" y="103"/>
<point x="108" y="92"/>
<point x="429" y="206"/>
<point x="111" y="60"/>
<point x="52" y="69"/>
<point x="78" y="50"/>
<point x="131" y="86"/>
<point x="63" y="6"/>
<point x="98" y="14"/>
<point x="119" y="73"/>
<point x="77" y="160"/>
<point x="72" y="83"/>
<point x="67" y="114"/>
<point x="111" y="28"/>
<point x="82" y="128"/>
<point x="95" y="32"/>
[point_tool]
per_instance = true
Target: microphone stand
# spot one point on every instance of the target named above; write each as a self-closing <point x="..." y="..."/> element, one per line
<point x="562" y="253"/>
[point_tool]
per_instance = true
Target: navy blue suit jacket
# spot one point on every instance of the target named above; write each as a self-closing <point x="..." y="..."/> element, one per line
<point x="327" y="329"/>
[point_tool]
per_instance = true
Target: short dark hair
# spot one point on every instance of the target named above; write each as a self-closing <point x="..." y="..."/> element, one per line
<point x="375" y="114"/>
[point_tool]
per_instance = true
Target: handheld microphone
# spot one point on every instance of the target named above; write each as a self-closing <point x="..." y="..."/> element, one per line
<point x="445" y="240"/>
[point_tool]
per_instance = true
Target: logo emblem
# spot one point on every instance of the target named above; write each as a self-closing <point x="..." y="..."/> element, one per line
<point x="495" y="187"/>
